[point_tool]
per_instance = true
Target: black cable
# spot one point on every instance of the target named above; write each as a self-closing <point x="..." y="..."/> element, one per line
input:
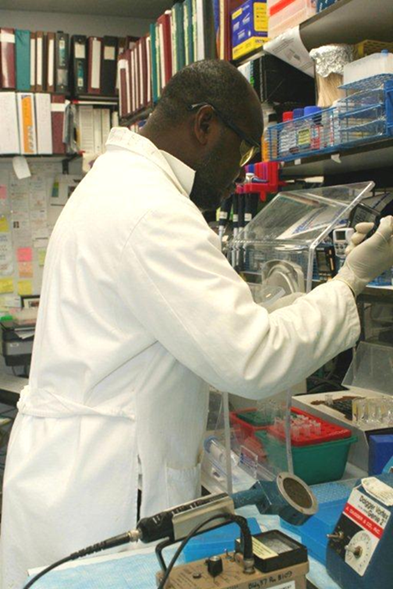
<point x="110" y="543"/>
<point x="42" y="573"/>
<point x="240" y="521"/>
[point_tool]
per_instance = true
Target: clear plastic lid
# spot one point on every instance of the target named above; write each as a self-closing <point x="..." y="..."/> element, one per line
<point x="293" y="224"/>
<point x="371" y="369"/>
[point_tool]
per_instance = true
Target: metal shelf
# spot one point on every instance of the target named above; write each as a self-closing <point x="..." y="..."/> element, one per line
<point x="370" y="156"/>
<point x="349" y="21"/>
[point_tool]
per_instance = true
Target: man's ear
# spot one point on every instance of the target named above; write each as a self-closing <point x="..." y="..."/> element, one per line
<point x="204" y="124"/>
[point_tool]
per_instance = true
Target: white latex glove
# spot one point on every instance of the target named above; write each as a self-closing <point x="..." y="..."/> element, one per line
<point x="284" y="301"/>
<point x="361" y="230"/>
<point x="369" y="259"/>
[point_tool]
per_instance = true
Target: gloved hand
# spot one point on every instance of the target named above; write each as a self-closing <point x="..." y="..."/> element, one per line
<point x="361" y="231"/>
<point x="284" y="301"/>
<point x="369" y="259"/>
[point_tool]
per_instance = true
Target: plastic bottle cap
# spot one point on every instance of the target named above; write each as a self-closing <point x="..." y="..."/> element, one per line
<point x="287" y="116"/>
<point x="298" y="112"/>
<point x="312" y="110"/>
<point x="385" y="51"/>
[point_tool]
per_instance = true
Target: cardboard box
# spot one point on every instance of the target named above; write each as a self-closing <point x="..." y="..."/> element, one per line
<point x="249" y="27"/>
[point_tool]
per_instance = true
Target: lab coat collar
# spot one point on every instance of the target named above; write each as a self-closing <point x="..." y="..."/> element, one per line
<point x="180" y="174"/>
<point x="183" y="173"/>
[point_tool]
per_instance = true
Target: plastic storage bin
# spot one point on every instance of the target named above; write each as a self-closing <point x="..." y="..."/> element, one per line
<point x="284" y="14"/>
<point x="373" y="65"/>
<point x="317" y="463"/>
<point x="366" y="115"/>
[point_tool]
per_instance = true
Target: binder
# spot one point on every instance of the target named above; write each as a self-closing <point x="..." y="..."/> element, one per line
<point x="49" y="83"/>
<point x="158" y="61"/>
<point x="58" y="111"/>
<point x="9" y="133"/>
<point x="94" y="65"/>
<point x="194" y="30"/>
<point x="187" y="23"/>
<point x="148" y="70"/>
<point x="43" y="114"/>
<point x="105" y="125"/>
<point x="97" y="130"/>
<point x="153" y="61"/>
<point x="134" y="80"/>
<point x="86" y="129"/>
<point x="33" y="56"/>
<point x="22" y="50"/>
<point x="164" y="24"/>
<point x="40" y="63"/>
<point x="7" y="51"/>
<point x="108" y="69"/>
<point x="174" y="39"/>
<point x="180" y="49"/>
<point x="27" y="123"/>
<point x="62" y="58"/>
<point x="206" y="41"/>
<point x="122" y="65"/>
<point x="79" y="64"/>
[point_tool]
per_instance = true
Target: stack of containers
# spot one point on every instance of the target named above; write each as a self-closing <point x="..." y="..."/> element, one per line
<point x="284" y="14"/>
<point x="319" y="448"/>
<point x="304" y="132"/>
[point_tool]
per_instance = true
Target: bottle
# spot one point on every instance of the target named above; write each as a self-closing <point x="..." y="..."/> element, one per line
<point x="285" y="134"/>
<point x="314" y="128"/>
<point x="269" y="148"/>
<point x="298" y="125"/>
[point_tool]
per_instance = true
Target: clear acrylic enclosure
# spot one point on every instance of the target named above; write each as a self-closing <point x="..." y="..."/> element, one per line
<point x="247" y="440"/>
<point x="277" y="248"/>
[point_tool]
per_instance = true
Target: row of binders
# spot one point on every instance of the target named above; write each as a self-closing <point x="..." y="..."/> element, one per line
<point x="180" y="36"/>
<point x="54" y="63"/>
<point x="32" y="124"/>
<point x="93" y="125"/>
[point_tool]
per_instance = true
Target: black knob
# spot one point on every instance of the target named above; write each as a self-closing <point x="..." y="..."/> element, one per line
<point x="214" y="566"/>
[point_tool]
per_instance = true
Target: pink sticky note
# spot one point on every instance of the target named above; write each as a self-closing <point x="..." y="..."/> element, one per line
<point x="25" y="254"/>
<point x="3" y="192"/>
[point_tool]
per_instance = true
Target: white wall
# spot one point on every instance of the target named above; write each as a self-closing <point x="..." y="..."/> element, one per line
<point x="74" y="23"/>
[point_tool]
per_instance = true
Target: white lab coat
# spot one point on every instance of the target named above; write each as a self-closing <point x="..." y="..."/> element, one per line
<point x="139" y="309"/>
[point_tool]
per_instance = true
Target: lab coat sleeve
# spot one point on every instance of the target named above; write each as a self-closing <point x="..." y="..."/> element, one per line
<point x="176" y="281"/>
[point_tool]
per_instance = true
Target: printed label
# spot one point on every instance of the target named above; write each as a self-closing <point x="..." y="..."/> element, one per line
<point x="379" y="490"/>
<point x="261" y="550"/>
<point x="363" y="522"/>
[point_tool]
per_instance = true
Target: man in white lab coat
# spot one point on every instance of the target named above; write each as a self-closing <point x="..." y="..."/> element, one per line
<point x="139" y="311"/>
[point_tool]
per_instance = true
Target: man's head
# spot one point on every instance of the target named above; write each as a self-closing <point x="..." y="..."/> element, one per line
<point x="210" y="118"/>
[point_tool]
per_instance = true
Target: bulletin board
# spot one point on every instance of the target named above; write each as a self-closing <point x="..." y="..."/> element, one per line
<point x="29" y="209"/>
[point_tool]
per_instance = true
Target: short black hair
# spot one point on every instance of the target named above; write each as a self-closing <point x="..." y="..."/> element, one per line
<point x="212" y="80"/>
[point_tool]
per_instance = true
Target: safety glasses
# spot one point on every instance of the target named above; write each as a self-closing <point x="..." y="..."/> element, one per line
<point x="248" y="147"/>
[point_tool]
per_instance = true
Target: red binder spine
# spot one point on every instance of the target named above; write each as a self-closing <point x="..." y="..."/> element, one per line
<point x="7" y="58"/>
<point x="94" y="65"/>
<point x="58" y="110"/>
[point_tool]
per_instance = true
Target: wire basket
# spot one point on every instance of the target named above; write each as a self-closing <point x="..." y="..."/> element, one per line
<point x="366" y="115"/>
<point x="309" y="135"/>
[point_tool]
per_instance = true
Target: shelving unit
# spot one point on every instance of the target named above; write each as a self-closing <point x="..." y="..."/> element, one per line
<point x="371" y="156"/>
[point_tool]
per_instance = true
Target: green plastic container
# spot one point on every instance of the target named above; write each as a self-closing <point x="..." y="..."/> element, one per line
<point x="319" y="463"/>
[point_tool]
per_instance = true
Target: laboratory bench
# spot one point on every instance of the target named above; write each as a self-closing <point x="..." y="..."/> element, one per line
<point x="136" y="568"/>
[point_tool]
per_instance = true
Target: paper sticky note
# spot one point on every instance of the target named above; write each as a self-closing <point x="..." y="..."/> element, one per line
<point x="25" y="269"/>
<point x="21" y="167"/>
<point x="4" y="227"/>
<point x="3" y="192"/>
<point x="41" y="256"/>
<point x="24" y="254"/>
<point x="25" y="287"/>
<point x="6" y="285"/>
